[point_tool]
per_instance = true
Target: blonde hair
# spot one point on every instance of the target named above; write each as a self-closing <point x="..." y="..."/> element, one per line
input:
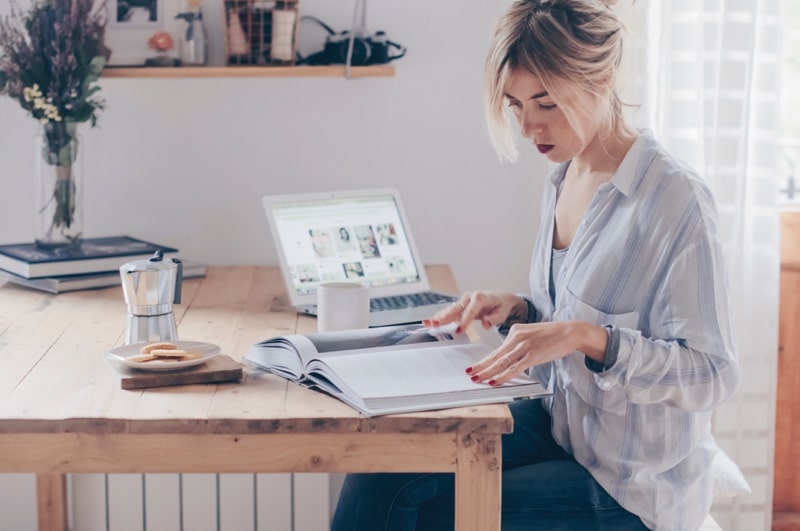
<point x="573" y="46"/>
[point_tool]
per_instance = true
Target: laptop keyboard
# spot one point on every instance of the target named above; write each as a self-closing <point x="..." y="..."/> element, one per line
<point x="413" y="300"/>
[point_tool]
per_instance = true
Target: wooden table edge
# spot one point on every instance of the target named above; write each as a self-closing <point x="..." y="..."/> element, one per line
<point x="474" y="457"/>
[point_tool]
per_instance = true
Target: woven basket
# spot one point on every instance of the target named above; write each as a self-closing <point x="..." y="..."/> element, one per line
<point x="258" y="32"/>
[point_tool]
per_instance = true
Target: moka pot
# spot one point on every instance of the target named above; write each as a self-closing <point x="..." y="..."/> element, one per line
<point x="151" y="287"/>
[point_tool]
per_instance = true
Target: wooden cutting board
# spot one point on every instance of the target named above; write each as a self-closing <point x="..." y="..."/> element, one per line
<point x="217" y="369"/>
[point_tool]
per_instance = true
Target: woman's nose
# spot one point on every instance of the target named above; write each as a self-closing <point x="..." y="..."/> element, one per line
<point x="529" y="125"/>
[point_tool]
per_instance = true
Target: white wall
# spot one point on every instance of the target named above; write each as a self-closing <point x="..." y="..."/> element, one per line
<point x="184" y="162"/>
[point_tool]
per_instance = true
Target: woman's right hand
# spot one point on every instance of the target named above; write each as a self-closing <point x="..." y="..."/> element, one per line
<point x="490" y="308"/>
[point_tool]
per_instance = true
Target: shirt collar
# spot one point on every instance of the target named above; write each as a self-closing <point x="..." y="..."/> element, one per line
<point x="633" y="165"/>
<point x="630" y="170"/>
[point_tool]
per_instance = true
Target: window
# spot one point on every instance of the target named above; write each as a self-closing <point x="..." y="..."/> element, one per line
<point x="790" y="103"/>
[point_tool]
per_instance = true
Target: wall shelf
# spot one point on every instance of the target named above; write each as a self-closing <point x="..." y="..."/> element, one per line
<point x="247" y="71"/>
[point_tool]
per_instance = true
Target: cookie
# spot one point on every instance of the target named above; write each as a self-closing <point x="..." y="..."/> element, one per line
<point x="168" y="353"/>
<point x="162" y="345"/>
<point x="142" y="358"/>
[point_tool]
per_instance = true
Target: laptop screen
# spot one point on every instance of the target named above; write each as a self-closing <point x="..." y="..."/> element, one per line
<point x="360" y="238"/>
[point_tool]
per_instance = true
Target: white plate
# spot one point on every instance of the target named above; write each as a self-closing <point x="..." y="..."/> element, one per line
<point x="121" y="355"/>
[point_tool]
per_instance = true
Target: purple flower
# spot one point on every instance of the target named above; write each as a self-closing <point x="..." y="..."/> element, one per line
<point x="57" y="46"/>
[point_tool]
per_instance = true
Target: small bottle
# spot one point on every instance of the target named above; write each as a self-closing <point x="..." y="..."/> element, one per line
<point x="193" y="46"/>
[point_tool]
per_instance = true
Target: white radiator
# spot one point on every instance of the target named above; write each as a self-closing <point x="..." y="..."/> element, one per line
<point x="179" y="502"/>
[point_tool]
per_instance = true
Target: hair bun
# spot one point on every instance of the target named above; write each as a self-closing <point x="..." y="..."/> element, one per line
<point x="611" y="3"/>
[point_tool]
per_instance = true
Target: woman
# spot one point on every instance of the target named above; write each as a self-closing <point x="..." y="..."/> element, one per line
<point x="627" y="317"/>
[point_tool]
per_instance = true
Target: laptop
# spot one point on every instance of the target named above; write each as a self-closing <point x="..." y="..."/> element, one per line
<point x="356" y="235"/>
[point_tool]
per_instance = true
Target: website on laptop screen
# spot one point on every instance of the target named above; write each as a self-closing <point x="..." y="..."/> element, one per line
<point x="343" y="239"/>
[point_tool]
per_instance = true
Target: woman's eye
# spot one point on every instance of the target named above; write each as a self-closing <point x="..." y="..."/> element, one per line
<point x="547" y="106"/>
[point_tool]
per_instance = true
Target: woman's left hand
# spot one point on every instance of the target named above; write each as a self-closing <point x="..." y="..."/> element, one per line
<point x="534" y="344"/>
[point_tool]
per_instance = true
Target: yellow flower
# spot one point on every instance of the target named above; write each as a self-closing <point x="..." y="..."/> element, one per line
<point x="31" y="93"/>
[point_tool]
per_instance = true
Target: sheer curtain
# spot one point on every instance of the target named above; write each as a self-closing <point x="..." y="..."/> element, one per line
<point x="705" y="77"/>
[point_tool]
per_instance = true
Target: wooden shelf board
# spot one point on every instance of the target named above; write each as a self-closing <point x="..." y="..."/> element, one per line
<point x="247" y="71"/>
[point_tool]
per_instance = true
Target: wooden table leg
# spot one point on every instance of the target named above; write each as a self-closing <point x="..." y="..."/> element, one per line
<point x="478" y="482"/>
<point x="51" y="495"/>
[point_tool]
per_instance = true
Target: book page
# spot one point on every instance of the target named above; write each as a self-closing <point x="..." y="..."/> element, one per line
<point x="278" y="355"/>
<point x="419" y="371"/>
<point x="289" y="355"/>
<point x="380" y="339"/>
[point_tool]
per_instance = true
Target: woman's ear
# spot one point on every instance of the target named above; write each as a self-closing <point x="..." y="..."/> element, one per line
<point x="609" y="79"/>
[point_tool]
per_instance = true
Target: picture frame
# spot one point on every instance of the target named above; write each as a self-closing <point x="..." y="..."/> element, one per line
<point x="131" y="24"/>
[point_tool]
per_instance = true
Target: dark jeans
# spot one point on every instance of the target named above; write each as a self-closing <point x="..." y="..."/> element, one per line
<point x="543" y="489"/>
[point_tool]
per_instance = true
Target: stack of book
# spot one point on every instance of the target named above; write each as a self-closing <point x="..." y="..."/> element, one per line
<point x="94" y="263"/>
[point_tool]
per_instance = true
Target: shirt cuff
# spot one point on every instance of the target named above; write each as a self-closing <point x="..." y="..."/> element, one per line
<point x="532" y="317"/>
<point x="612" y="350"/>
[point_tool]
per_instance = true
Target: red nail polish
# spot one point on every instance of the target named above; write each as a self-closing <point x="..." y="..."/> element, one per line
<point x="468" y="370"/>
<point x="458" y="330"/>
<point x="474" y="378"/>
<point x="492" y="382"/>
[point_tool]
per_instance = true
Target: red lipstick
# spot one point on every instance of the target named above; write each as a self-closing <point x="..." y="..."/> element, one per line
<point x="544" y="148"/>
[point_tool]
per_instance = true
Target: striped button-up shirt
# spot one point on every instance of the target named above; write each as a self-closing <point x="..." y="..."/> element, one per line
<point x="646" y="260"/>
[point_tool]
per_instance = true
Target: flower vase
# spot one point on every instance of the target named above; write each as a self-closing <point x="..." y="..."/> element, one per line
<point x="58" y="215"/>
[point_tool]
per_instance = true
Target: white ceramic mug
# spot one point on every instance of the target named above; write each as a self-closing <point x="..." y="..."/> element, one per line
<point x="342" y="306"/>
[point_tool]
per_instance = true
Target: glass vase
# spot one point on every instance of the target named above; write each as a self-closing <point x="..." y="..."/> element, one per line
<point x="58" y="214"/>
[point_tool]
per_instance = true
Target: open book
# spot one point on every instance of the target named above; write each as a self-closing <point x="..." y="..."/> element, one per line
<point x="394" y="369"/>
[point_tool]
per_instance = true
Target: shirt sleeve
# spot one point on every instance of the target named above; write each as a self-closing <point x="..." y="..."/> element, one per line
<point x="693" y="365"/>
<point x="610" y="358"/>
<point x="532" y="317"/>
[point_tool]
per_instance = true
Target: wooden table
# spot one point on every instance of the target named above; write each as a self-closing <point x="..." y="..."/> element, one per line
<point x="62" y="409"/>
